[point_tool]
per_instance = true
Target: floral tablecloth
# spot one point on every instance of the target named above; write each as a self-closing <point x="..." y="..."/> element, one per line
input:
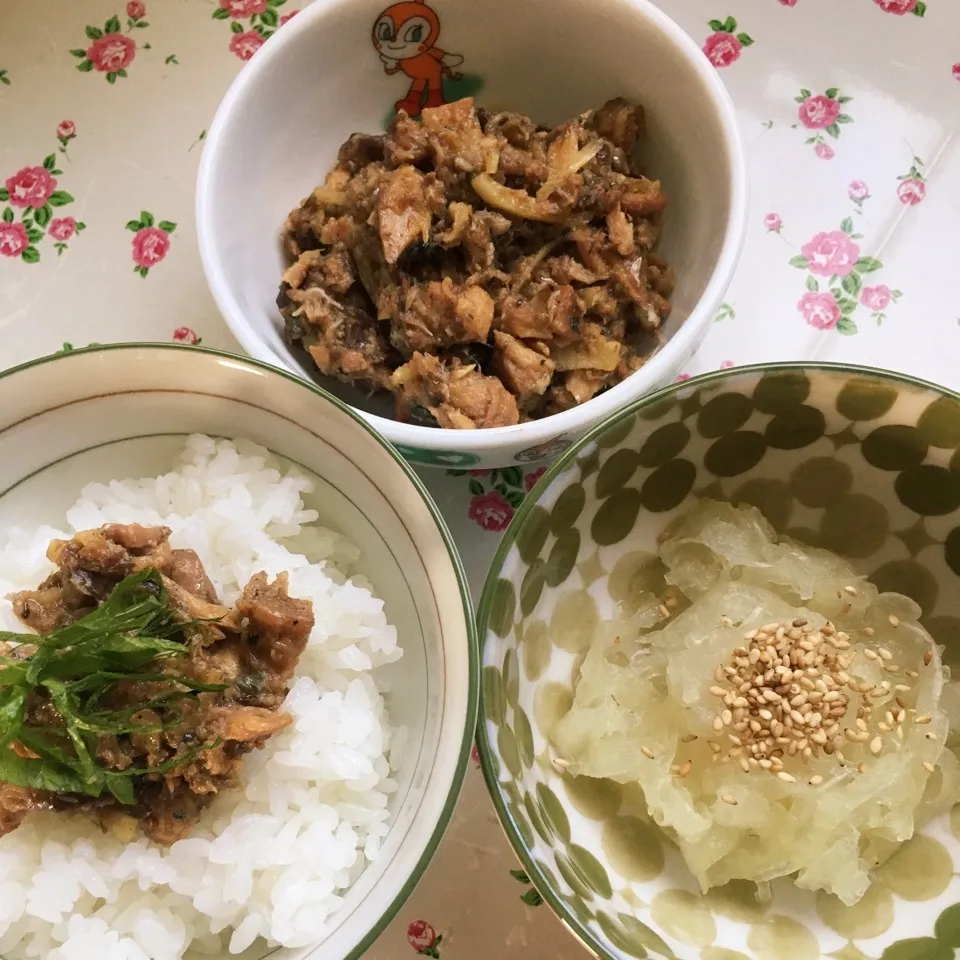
<point x="849" y="110"/>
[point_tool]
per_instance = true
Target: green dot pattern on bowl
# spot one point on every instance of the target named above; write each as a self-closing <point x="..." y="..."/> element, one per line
<point x="866" y="466"/>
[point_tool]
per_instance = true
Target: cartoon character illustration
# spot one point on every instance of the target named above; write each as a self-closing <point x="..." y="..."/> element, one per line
<point x="405" y="36"/>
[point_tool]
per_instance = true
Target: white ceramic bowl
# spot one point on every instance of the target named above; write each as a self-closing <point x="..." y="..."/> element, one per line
<point x="122" y="411"/>
<point x="319" y="79"/>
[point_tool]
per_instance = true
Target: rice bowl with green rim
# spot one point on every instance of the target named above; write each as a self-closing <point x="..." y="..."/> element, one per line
<point x="97" y="415"/>
<point x="861" y="462"/>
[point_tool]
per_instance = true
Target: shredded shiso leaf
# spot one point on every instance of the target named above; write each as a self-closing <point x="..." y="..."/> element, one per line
<point x="133" y="636"/>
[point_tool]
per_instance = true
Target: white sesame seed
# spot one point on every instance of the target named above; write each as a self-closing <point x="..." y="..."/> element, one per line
<point x="894" y="620"/>
<point x="922" y="719"/>
<point x="786" y="777"/>
<point x="876" y="746"/>
<point x="851" y="590"/>
<point x="870" y="654"/>
<point x="815" y="780"/>
<point x="560" y="763"/>
<point x="928" y="766"/>
<point x="688" y="738"/>
<point x="717" y="724"/>
<point x="647" y="752"/>
<point x="727" y="798"/>
<point x="718" y="691"/>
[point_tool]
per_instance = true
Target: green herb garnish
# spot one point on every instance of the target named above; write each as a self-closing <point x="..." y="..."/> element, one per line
<point x="130" y="637"/>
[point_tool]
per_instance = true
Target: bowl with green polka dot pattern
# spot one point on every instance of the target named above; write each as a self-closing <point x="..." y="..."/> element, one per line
<point x="862" y="462"/>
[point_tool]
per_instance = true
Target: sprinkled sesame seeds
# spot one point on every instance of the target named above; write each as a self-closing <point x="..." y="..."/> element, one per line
<point x="727" y="798"/>
<point x="786" y="694"/>
<point x="647" y="752"/>
<point x="928" y="766"/>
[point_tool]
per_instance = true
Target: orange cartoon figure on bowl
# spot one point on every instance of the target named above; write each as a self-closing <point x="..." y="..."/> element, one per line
<point x="405" y="36"/>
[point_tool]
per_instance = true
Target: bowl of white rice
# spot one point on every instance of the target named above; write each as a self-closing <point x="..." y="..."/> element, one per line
<point x="335" y="820"/>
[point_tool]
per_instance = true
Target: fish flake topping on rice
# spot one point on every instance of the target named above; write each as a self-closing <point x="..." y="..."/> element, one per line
<point x="270" y="860"/>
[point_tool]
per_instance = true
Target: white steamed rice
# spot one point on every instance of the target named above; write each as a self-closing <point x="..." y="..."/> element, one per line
<point x="272" y="860"/>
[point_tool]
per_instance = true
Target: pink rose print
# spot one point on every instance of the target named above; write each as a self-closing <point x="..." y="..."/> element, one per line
<point x="956" y="71"/>
<point x="479" y="473"/>
<point x="858" y="190"/>
<point x="726" y="365"/>
<point x="424" y="939"/>
<point x="150" y="243"/>
<point x="111" y="53"/>
<point x="263" y="20"/>
<point x="492" y="511"/>
<point x="150" y="246"/>
<point x="13" y="239"/>
<point x="681" y="377"/>
<point x="835" y="255"/>
<point x="876" y="298"/>
<point x="66" y="131"/>
<point x="831" y="254"/>
<point x="913" y="184"/>
<point x="62" y="228"/>
<point x="30" y="187"/>
<point x="241" y="9"/>
<point x="724" y="45"/>
<point x="788" y="3"/>
<point x="33" y="190"/>
<point x="911" y="192"/>
<point x="722" y="49"/>
<point x="186" y="335"/>
<point x="902" y="7"/>
<point x="475" y="755"/>
<point x="245" y="45"/>
<point x="773" y="222"/>
<point x="530" y="480"/>
<point x="820" y="310"/>
<point x="859" y="193"/>
<point x="823" y="113"/>
<point x="818" y="112"/>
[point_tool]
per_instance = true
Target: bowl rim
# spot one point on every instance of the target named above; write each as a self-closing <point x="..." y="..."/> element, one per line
<point x="576" y="927"/>
<point x="438" y="828"/>
<point x="536" y="432"/>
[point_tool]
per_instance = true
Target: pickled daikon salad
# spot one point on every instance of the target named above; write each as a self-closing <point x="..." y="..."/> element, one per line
<point x="782" y="716"/>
